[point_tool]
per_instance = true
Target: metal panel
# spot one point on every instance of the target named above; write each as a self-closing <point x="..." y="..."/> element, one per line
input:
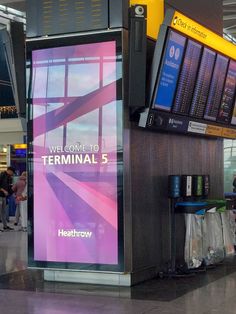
<point x="112" y="279"/>
<point x="49" y="17"/>
<point x="155" y="15"/>
<point x="7" y="75"/>
<point x="18" y="42"/>
<point x="118" y="13"/>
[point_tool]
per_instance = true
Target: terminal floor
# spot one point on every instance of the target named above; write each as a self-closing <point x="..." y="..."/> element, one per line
<point x="23" y="291"/>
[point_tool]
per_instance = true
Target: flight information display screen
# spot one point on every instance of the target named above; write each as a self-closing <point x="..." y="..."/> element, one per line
<point x="227" y="101"/>
<point x="216" y="88"/>
<point x="203" y="83"/>
<point x="187" y="78"/>
<point x="193" y="81"/>
<point x="170" y="71"/>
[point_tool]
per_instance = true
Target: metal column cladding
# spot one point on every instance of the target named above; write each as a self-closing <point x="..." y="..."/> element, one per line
<point x="50" y="17"/>
<point x="155" y="15"/>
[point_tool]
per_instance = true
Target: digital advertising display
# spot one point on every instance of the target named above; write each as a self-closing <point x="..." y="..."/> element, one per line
<point x="77" y="153"/>
<point x="170" y="71"/>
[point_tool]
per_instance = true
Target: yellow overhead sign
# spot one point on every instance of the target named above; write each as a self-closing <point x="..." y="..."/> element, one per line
<point x="229" y="133"/>
<point x="192" y="29"/>
<point x="20" y="146"/>
<point x="155" y="15"/>
<point x="214" y="130"/>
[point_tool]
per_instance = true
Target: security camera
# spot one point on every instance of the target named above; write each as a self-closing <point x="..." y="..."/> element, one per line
<point x="139" y="10"/>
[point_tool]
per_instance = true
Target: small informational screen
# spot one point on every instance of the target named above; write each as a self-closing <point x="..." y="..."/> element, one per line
<point x="228" y="97"/>
<point x="216" y="88"/>
<point x="187" y="78"/>
<point x="21" y="153"/>
<point x="202" y="84"/>
<point x="170" y="71"/>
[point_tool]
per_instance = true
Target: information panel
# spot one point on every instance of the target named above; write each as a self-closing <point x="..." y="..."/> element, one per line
<point x="187" y="78"/>
<point x="195" y="92"/>
<point x="228" y="97"/>
<point x="170" y="71"/>
<point x="216" y="88"/>
<point x="203" y="83"/>
<point x="75" y="149"/>
<point x="50" y="17"/>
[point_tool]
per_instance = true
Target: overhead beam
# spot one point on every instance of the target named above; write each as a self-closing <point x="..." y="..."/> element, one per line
<point x="229" y="10"/>
<point x="230" y="27"/>
<point x="228" y="2"/>
<point x="229" y="17"/>
<point x="231" y="32"/>
<point x="10" y="1"/>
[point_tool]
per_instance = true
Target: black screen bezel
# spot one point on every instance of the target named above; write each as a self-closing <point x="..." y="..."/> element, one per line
<point x="162" y="49"/>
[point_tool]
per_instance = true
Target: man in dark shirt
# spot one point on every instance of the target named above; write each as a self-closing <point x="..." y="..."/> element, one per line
<point x="5" y="190"/>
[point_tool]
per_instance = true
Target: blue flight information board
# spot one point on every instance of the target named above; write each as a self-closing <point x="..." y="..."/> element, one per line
<point x="187" y="78"/>
<point x="227" y="101"/>
<point x="216" y="88"/>
<point x="203" y="83"/>
<point x="170" y="71"/>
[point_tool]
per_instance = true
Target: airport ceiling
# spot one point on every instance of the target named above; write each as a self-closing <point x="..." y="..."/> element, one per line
<point x="229" y="17"/>
<point x="19" y="5"/>
<point x="229" y="13"/>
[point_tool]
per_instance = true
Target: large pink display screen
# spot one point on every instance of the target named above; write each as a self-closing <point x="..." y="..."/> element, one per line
<point x="75" y="153"/>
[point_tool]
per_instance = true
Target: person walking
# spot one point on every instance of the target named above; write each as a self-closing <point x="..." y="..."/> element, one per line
<point x="5" y="190"/>
<point x="18" y="189"/>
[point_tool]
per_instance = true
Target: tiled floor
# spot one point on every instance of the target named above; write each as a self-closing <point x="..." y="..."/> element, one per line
<point x="24" y="291"/>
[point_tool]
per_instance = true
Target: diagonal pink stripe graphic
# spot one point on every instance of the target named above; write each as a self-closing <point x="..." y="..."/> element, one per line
<point x="104" y="206"/>
<point x="45" y="235"/>
<point x="80" y="107"/>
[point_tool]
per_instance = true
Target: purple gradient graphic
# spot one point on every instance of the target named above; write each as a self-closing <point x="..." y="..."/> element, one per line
<point x="75" y="154"/>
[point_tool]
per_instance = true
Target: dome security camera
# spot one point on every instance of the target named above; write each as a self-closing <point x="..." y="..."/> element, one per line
<point x="139" y="10"/>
